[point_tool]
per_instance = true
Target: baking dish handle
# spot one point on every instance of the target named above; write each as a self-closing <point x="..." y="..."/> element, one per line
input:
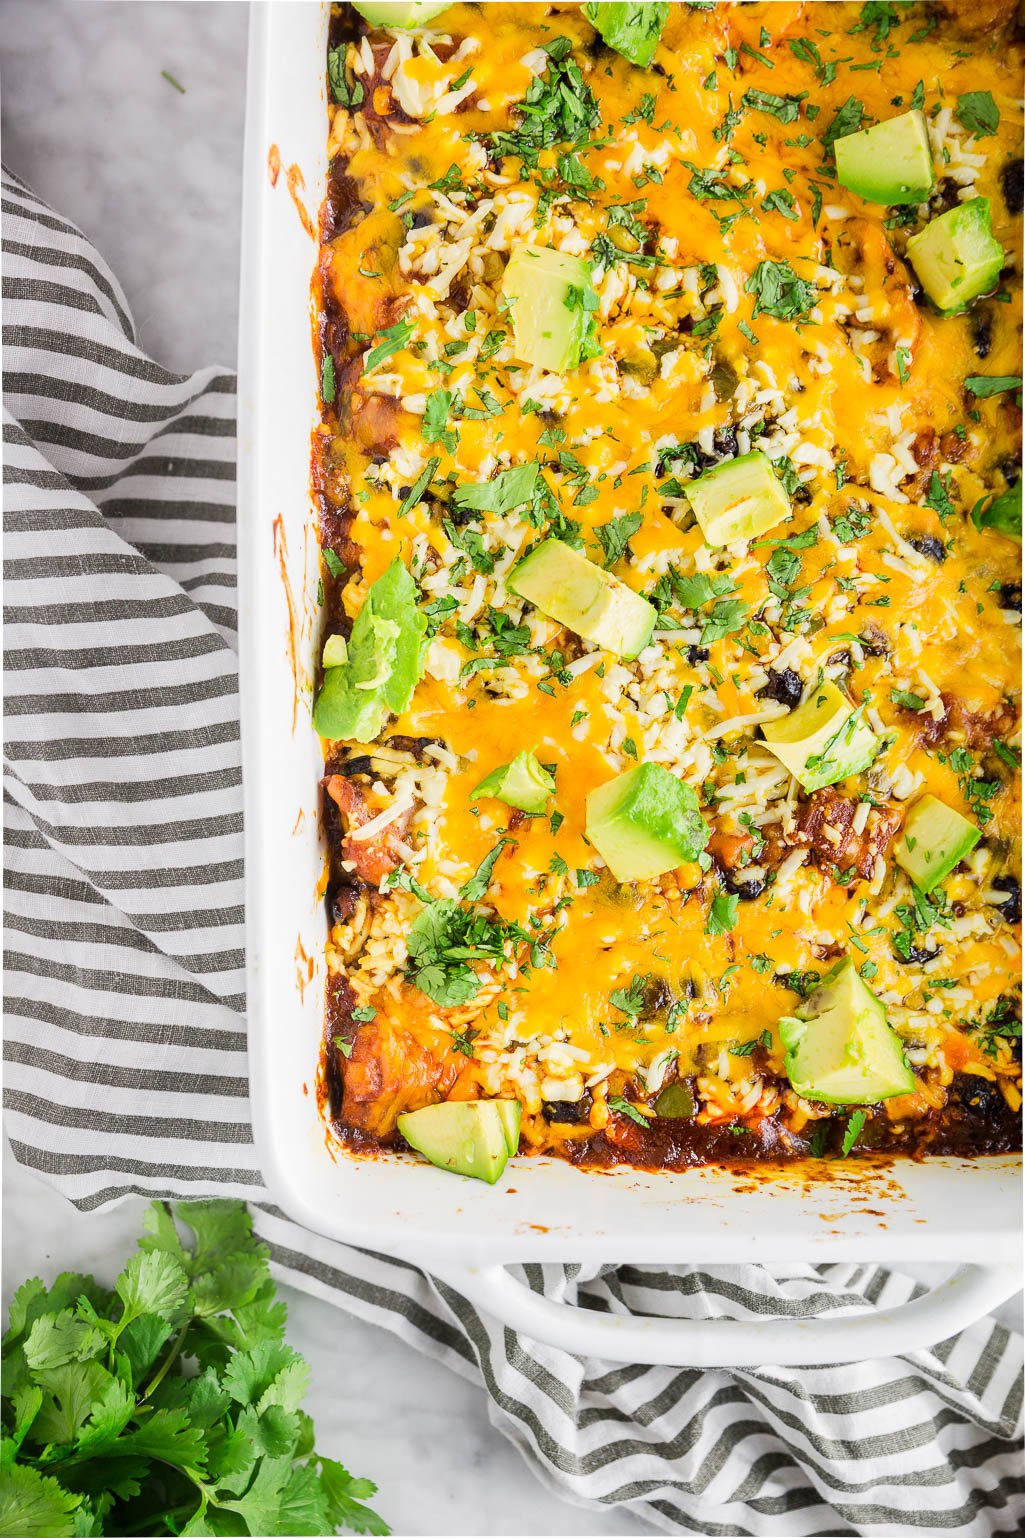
<point x="959" y="1300"/>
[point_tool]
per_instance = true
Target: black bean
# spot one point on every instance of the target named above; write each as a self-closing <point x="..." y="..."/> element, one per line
<point x="1011" y="185"/>
<point x="785" y="686"/>
<point x="1011" y="905"/>
<point x="802" y="496"/>
<point x="916" y="956"/>
<point x="401" y="743"/>
<point x="343" y="902"/>
<point x="980" y="1098"/>
<point x="359" y="764"/>
<point x="724" y="441"/>
<point x="982" y="334"/>
<point x="568" y="1110"/>
<point x="1010" y="595"/>
<point x="873" y="641"/>
<point x="928" y="544"/>
<point x="948" y="191"/>
<point x="745" y="885"/>
<point x="697" y="654"/>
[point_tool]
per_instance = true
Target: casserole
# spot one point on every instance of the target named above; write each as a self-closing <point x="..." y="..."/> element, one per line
<point x="938" y="1210"/>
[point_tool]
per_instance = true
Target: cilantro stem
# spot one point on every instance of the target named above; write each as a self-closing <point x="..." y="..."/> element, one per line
<point x="186" y="1509"/>
<point x="168" y="1361"/>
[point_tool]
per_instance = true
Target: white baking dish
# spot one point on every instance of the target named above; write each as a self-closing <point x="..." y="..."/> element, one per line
<point x="943" y="1210"/>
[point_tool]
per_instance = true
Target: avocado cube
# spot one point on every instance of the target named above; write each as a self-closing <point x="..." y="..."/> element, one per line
<point x="510" y="1114"/>
<point x="468" y="1137"/>
<point x="888" y="163"/>
<point x="553" y="301"/>
<point x="840" y="1048"/>
<point x="523" y="783"/>
<point x="569" y="588"/>
<point x="823" y="740"/>
<point x="632" y="30"/>
<point x="957" y="257"/>
<point x="933" y="840"/>
<point x="399" y="13"/>
<point x="336" y="652"/>
<point x="645" y="822"/>
<point x="738" y="499"/>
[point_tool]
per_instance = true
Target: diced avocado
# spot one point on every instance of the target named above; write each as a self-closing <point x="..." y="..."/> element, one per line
<point x="957" y="257"/>
<point x="335" y="651"/>
<point x="738" y="499"/>
<point x="569" y="588"/>
<point x="1002" y="515"/>
<point x="524" y="783"/>
<point x="632" y="30"/>
<point x="469" y="1137"/>
<point x="645" y="822"/>
<point x="823" y="740"/>
<point x="675" y="1101"/>
<point x="840" y="1049"/>
<point x="510" y="1113"/>
<point x="394" y="596"/>
<point x="382" y="664"/>
<point x="553" y="302"/>
<point x="888" y="163"/>
<point x="934" y="839"/>
<point x="399" y="13"/>
<point x="351" y="701"/>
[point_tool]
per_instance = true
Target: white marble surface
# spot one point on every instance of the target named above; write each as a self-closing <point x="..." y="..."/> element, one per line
<point x="152" y="177"/>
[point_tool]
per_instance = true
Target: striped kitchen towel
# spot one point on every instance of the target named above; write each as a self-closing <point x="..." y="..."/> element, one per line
<point x="125" y="1039"/>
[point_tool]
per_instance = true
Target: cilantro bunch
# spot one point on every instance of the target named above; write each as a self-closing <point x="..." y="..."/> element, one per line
<point x="170" y="1404"/>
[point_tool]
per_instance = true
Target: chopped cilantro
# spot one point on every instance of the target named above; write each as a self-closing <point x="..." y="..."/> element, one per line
<point x="780" y="292"/>
<point x="624" y="1108"/>
<point x="978" y="112"/>
<point x="852" y="1132"/>
<point x="614" y="536"/>
<point x="722" y="916"/>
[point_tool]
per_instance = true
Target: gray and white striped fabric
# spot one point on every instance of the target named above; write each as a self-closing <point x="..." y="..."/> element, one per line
<point x="125" y="1038"/>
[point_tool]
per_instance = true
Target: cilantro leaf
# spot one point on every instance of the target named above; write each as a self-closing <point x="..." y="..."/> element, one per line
<point x="615" y="536"/>
<point x="852" y="1132"/>
<point x="438" y="948"/>
<point x="559" y="108"/>
<point x="474" y="889"/>
<point x="786" y="108"/>
<point x="630" y="1000"/>
<point x="345" y="1496"/>
<point x="780" y="292"/>
<point x="722" y="916"/>
<point x="846" y="120"/>
<point x="622" y="1106"/>
<point x="394" y="340"/>
<point x="938" y="495"/>
<point x="153" y="1282"/>
<point x="34" y="1506"/>
<point x="984" y="385"/>
<point x="506" y="491"/>
<point x="978" y="112"/>
<point x="435" y="428"/>
<point x="347" y="92"/>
